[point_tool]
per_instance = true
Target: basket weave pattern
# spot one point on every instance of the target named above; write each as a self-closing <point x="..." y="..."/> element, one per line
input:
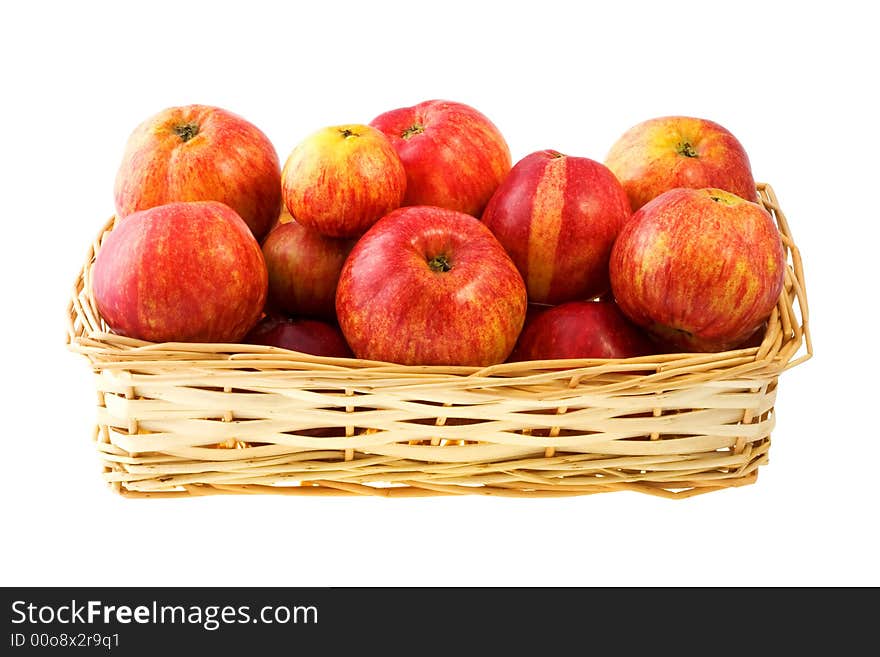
<point x="179" y="419"/>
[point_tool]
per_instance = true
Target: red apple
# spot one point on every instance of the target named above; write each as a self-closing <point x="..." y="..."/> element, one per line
<point x="699" y="269"/>
<point x="680" y="151"/>
<point x="581" y="329"/>
<point x="201" y="153"/>
<point x="181" y="272"/>
<point x="304" y="268"/>
<point x="430" y="286"/>
<point x="557" y="216"/>
<point x="341" y="179"/>
<point x="454" y="156"/>
<point x="308" y="336"/>
<point x="755" y="339"/>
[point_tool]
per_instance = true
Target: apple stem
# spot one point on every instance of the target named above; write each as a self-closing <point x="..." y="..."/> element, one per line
<point x="684" y="148"/>
<point x="186" y="131"/>
<point x="414" y="129"/>
<point x="439" y="263"/>
<point x="346" y="133"/>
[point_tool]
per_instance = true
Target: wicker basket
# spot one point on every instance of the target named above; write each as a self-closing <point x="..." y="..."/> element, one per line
<point x="180" y="419"/>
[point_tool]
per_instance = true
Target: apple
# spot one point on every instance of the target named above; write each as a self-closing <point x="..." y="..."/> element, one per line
<point x="303" y="268"/>
<point x="581" y="329"/>
<point x="454" y="156"/>
<point x="201" y="153"/>
<point x="181" y="272"/>
<point x="701" y="269"/>
<point x="308" y="336"/>
<point x="680" y="151"/>
<point x="755" y="339"/>
<point x="557" y="216"/>
<point x="341" y="179"/>
<point x="430" y="286"/>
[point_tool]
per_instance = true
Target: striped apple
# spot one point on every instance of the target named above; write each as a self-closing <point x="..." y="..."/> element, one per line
<point x="342" y="179"/>
<point x="200" y="153"/>
<point x="558" y="216"/>
<point x="669" y="152"/>
<point x="303" y="268"/>
<point x="454" y="156"/>
<point x="430" y="286"/>
<point x="699" y="269"/>
<point x="181" y="272"/>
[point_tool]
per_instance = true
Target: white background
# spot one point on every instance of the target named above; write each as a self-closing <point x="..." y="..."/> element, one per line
<point x="794" y="82"/>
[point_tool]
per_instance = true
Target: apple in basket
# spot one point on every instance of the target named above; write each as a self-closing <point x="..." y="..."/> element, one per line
<point x="304" y="268"/>
<point x="679" y="151"/>
<point x="557" y="216"/>
<point x="181" y="272"/>
<point x="701" y="269"/>
<point x="341" y="179"/>
<point x="309" y="336"/>
<point x="454" y="155"/>
<point x="201" y="153"/>
<point x="581" y="329"/>
<point x="430" y="286"/>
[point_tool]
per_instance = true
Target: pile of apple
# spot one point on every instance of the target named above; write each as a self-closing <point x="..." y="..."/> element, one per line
<point x="414" y="240"/>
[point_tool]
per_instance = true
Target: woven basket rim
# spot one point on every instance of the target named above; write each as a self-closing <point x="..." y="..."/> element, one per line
<point x="787" y="341"/>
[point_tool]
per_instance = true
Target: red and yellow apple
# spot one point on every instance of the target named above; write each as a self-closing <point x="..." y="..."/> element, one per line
<point x="308" y="336"/>
<point x="680" y="151"/>
<point x="201" y="153"/>
<point x="701" y="269"/>
<point x="430" y="286"/>
<point x="181" y="272"/>
<point x="341" y="179"/>
<point x="581" y="329"/>
<point x="303" y="267"/>
<point x="454" y="155"/>
<point x="557" y="216"/>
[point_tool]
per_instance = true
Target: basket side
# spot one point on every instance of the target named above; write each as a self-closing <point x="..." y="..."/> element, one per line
<point x="169" y="433"/>
<point x="792" y="312"/>
<point x="84" y="324"/>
